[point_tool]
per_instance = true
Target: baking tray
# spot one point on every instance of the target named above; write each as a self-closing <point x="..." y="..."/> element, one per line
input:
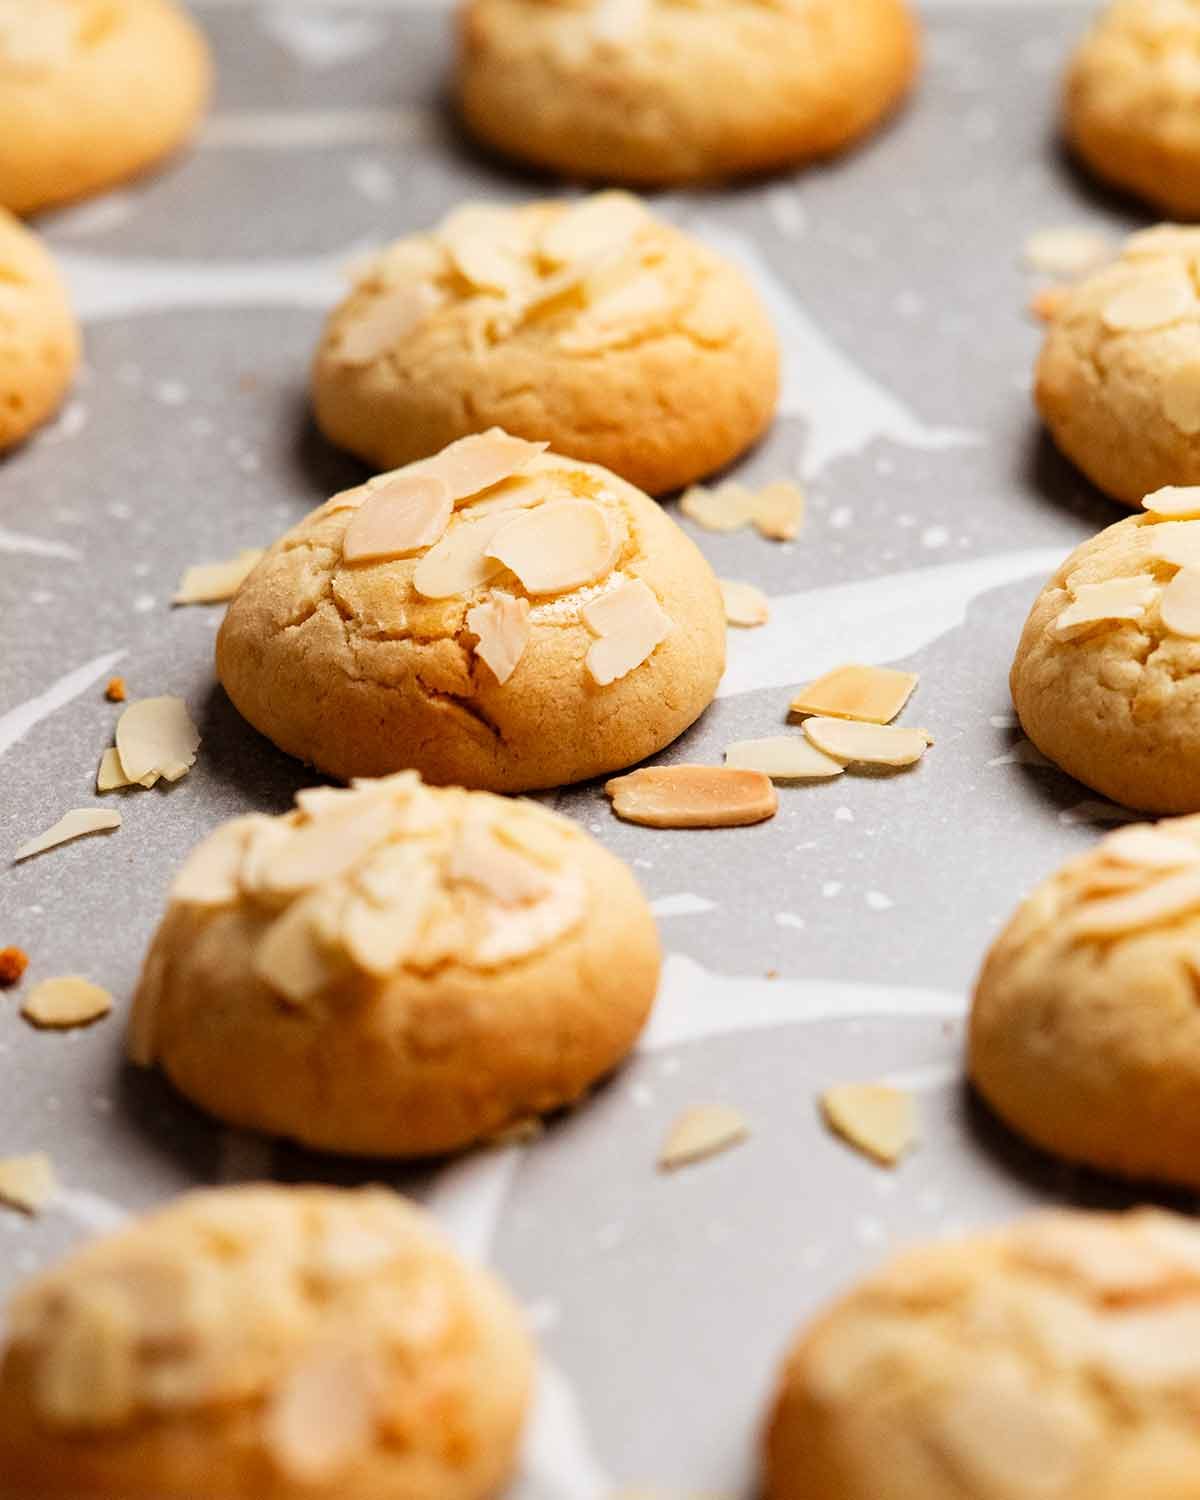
<point x="838" y="941"/>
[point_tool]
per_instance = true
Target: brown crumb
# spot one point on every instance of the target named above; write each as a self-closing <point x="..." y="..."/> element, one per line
<point x="115" y="691"/>
<point x="13" y="963"/>
<point x="772" y="973"/>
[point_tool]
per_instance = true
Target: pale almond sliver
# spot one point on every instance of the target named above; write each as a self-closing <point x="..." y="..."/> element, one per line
<point x="156" y="737"/>
<point x="323" y="1415"/>
<point x="726" y="508"/>
<point x="460" y="562"/>
<point x="1176" y="543"/>
<point x="404" y="515"/>
<point x="1181" y="396"/>
<point x="111" y="777"/>
<point x="561" y="545"/>
<point x="476" y="463"/>
<point x="867" y="744"/>
<point x="1146" y="847"/>
<point x="214" y="583"/>
<point x="745" y="604"/>
<point x="65" y="1002"/>
<point x="1179" y="607"/>
<point x="1069" y="250"/>
<point x="701" y="1132"/>
<point x="385" y="321"/>
<point x="1162" y="902"/>
<point x="598" y="225"/>
<point x="502" y="625"/>
<point x="1175" y="502"/>
<point x="693" y="797"/>
<point x="488" y="247"/>
<point x="72" y="825"/>
<point x="784" y="758"/>
<point x="875" y="1119"/>
<point x="28" y="1183"/>
<point x="872" y="695"/>
<point x="629" y="623"/>
<point x="778" y="511"/>
<point x="210" y="874"/>
<point x="1107" y="603"/>
<point x="1153" y="302"/>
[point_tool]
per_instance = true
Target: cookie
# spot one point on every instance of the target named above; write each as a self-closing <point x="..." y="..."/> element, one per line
<point x="264" y="1343"/>
<point x="1053" y="1360"/>
<point x="497" y="617"/>
<point x="1132" y="105"/>
<point x="395" y="970"/>
<point x="672" y="91"/>
<point x="39" y="337"/>
<point x="93" y="92"/>
<point x="1106" y="678"/>
<point x="1085" y="1033"/>
<point x="594" y="325"/>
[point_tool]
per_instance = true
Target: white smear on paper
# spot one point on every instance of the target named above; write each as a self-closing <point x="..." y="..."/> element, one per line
<point x="790" y="919"/>
<point x="1099" y="812"/>
<point x="285" y="130"/>
<point x="96" y="217"/>
<point x="468" y="1198"/>
<point x="69" y="424"/>
<point x="926" y="1079"/>
<point x="320" y="39"/>
<point x="90" y="1211"/>
<point x="35" y="546"/>
<point x="1023" y="753"/>
<point x="879" y="901"/>
<point x="17" y="722"/>
<point x="376" y="182"/>
<point x="559" y="1461"/>
<point x="242" y="1157"/>
<point x="873" y="621"/>
<point x="786" y="210"/>
<point x="682" y="905"/>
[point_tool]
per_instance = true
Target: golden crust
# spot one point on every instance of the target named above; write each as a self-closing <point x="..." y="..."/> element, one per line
<point x="39" y="337"/>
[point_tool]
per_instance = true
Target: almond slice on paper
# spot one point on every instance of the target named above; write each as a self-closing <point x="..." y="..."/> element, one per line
<point x="872" y="695"/>
<point x="476" y="463"/>
<point x="502" y="625"/>
<point x="28" y="1183"/>
<point x="867" y="744"/>
<point x="72" y="825"/>
<point x="64" y="1002"/>
<point x="701" y="1132"/>
<point x="156" y="737"/>
<point x="561" y="545"/>
<point x="1179" y="607"/>
<point x="727" y="508"/>
<point x="778" y="511"/>
<point x="1105" y="603"/>
<point x="745" y="604"/>
<point x="630" y="624"/>
<point x="784" y="758"/>
<point x="385" y="321"/>
<point x="214" y="583"/>
<point x="461" y="561"/>
<point x="110" y="776"/>
<point x="404" y="515"/>
<point x="879" y="1121"/>
<point x="693" y="797"/>
<point x="1174" y="501"/>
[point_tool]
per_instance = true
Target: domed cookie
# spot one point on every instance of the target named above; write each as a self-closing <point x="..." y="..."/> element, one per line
<point x="594" y="325"/>
<point x="264" y="1343"/>
<point x="1058" y="1359"/>
<point x="671" y="91"/>
<point x="39" y="337"/>
<point x="93" y="92"/>
<point x="395" y="970"/>
<point x="497" y="617"/>
<point x="1106" y="678"/>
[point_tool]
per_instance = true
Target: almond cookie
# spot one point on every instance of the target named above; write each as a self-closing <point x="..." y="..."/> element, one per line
<point x="93" y="92"/>
<point x="671" y="91"/>
<point x="1058" y="1359"/>
<point x="395" y="970"/>
<point x="264" y="1343"/>
<point x="1132" y="102"/>
<point x="594" y="325"/>
<point x="1085" y="1033"/>
<point x="1106" y="679"/>
<point x="495" y="617"/>
<point x="39" y="337"/>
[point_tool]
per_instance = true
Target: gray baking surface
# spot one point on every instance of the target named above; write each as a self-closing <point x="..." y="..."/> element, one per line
<point x="936" y="509"/>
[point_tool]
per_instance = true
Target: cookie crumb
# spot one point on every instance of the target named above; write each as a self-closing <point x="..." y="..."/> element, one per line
<point x="693" y="797"/>
<point x="72" y="825"/>
<point x="115" y="691"/>
<point x="879" y="1121"/>
<point x="13" y="963"/>
<point x="701" y="1132"/>
<point x="27" y="1183"/>
<point x="64" y="1002"/>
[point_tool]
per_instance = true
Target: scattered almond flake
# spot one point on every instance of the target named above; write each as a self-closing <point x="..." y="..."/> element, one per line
<point x="1048" y="303"/>
<point x="701" y="1132"/>
<point x="110" y="776"/>
<point x="879" y="1121"/>
<point x="488" y="247"/>
<point x="693" y="797"/>
<point x="323" y="1414"/>
<point x="478" y="462"/>
<point x="1179" y="607"/>
<point x="598" y="225"/>
<point x="115" y="691"/>
<point x="557" y="547"/>
<point x="1176" y="502"/>
<point x="404" y="515"/>
<point x="13" y="963"/>
<point x="1070" y="250"/>
<point x="726" y="508"/>
<point x="778" y="511"/>
<point x="460" y="562"/>
<point x="1103" y="604"/>
<point x="872" y="695"/>
<point x="783" y="758"/>
<point x="384" y="321"/>
<point x="503" y="628"/>
<point x="1169" y="898"/>
<point x="745" y="604"/>
<point x="1146" y="847"/>
<point x="629" y="623"/>
<point x="214" y="583"/>
<point x="72" y="825"/>
<point x="1152" y="302"/>
<point x="1180" y="396"/>
<point x="156" y="737"/>
<point x="616" y="313"/>
<point x="27" y="1183"/>
<point x="867" y="744"/>
<point x="65" y="1002"/>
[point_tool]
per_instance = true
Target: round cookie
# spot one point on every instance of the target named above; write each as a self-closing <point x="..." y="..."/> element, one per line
<point x="395" y="970"/>
<point x="1085" y="1033"/>
<point x="1053" y="1360"/>
<point x="1118" y="379"/>
<point x="264" y="1343"/>
<point x="1106" y="678"/>
<point x="1132" y="105"/>
<point x="39" y="337"/>
<point x="671" y="91"/>
<point x="594" y="325"/>
<point x="93" y="92"/>
<point x="548" y="625"/>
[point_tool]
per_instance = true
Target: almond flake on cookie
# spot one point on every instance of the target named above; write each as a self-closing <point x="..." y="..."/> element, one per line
<point x="875" y="1119"/>
<point x="1144" y="847"/>
<point x="703" y="1131"/>
<point x="406" y="514"/>
<point x="1176" y="543"/>
<point x="1160" y="902"/>
<point x="1106" y="603"/>
<point x="600" y="225"/>
<point x="867" y="744"/>
<point x="1181" y="396"/>
<point x="619" y="312"/>
<point x="502" y="625"/>
<point x="557" y="547"/>
<point x="489" y="248"/>
<point x="214" y="583"/>
<point x="1179" y="607"/>
<point x="462" y="560"/>
<point x="745" y="604"/>
<point x="386" y="320"/>
<point x="210" y="876"/>
<point x="871" y="695"/>
<point x="477" y="463"/>
<point x="629" y="624"/>
<point x="693" y="797"/>
<point x="72" y="825"/>
<point x="1175" y="502"/>
<point x="784" y="758"/>
<point x="1150" y="303"/>
<point x="65" y="1002"/>
<point x="324" y="1414"/>
<point x="156" y="738"/>
<point x="292" y="956"/>
<point x="28" y="1183"/>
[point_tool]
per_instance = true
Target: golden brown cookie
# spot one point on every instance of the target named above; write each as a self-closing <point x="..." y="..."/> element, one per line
<point x="1053" y="1360"/>
<point x="1085" y="1032"/>
<point x="264" y="1343"/>
<point x="496" y="617"/>
<point x="1132" y="106"/>
<point x="39" y="337"/>
<point x="93" y="92"/>
<point x="670" y="91"/>
<point x="1106" y="678"/>
<point x="594" y="325"/>
<point x="396" y="970"/>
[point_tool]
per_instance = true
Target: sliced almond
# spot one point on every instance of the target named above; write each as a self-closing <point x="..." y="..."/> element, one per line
<point x="598" y="225"/>
<point x="1146" y="847"/>
<point x="1179" y="607"/>
<point x="1180" y="395"/>
<point x="382" y="927"/>
<point x="783" y="758"/>
<point x="877" y="1120"/>
<point x="1176" y="543"/>
<point x="871" y="695"/>
<point x="1167" y="899"/>
<point x="502" y="625"/>
<point x="1175" y="502"/>
<point x="478" y="858"/>
<point x="290" y="956"/>
<point x="461" y="562"/>
<point x="1152" y="302"/>
<point x="65" y="1002"/>
<point x="385" y="321"/>
<point x="156" y="737"/>
<point x="630" y="624"/>
<point x="726" y="508"/>
<point x="476" y="463"/>
<point x="693" y="797"/>
<point x="618" y="313"/>
<point x="557" y="547"/>
<point x="1069" y="250"/>
<point x="28" y="1183"/>
<point x="778" y="511"/>
<point x="407" y="514"/>
<point x="1105" y="603"/>
<point x="210" y="876"/>
<point x="745" y="605"/>
<point x="213" y="583"/>
<point x="71" y="825"/>
<point x="111" y="777"/>
<point x="323" y="849"/>
<point x="489" y="248"/>
<point x="701" y="1132"/>
<point x="867" y="744"/>
<point x="323" y="1415"/>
